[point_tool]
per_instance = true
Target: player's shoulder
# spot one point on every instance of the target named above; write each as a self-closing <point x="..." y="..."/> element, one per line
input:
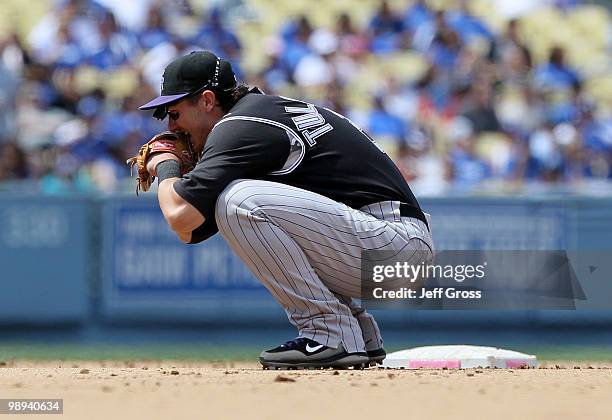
<point x="253" y="112"/>
<point x="245" y="127"/>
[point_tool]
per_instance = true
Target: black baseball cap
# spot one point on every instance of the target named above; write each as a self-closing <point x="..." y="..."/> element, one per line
<point x="190" y="74"/>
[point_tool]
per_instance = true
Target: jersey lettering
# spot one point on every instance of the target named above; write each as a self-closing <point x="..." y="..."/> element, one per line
<point x="310" y="123"/>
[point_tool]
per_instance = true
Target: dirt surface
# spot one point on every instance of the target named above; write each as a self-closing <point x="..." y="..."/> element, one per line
<point x="178" y="390"/>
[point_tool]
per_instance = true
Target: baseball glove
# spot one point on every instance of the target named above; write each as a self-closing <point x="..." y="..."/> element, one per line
<point x="166" y="142"/>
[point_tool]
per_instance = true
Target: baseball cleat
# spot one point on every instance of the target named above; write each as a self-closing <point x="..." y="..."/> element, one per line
<point x="304" y="353"/>
<point x="376" y="356"/>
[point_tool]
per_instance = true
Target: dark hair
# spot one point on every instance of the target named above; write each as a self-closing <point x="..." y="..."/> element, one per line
<point x="557" y="55"/>
<point x="227" y="98"/>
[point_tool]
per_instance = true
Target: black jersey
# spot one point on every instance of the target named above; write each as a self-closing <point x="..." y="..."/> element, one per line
<point x="284" y="140"/>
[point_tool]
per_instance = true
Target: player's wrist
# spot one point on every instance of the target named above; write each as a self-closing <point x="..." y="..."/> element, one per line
<point x="155" y="160"/>
<point x="169" y="168"/>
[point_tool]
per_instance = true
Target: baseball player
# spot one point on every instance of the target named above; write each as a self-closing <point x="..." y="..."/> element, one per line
<point x="297" y="191"/>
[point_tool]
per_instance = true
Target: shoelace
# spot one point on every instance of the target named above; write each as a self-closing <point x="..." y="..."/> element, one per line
<point x="296" y="342"/>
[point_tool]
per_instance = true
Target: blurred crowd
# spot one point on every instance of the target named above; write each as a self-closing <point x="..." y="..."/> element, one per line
<point x="480" y="111"/>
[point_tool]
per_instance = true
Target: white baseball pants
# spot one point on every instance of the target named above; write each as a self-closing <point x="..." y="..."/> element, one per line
<point x="306" y="250"/>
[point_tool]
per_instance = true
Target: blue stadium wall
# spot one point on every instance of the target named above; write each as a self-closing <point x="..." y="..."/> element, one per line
<point x="83" y="260"/>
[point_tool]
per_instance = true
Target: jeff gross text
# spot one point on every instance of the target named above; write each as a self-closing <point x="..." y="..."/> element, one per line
<point x="403" y="272"/>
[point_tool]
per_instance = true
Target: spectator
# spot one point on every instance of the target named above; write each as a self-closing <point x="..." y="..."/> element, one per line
<point x="351" y="42"/>
<point x="513" y="56"/>
<point x="386" y="30"/>
<point x="386" y="126"/>
<point x="316" y="68"/>
<point x="275" y="75"/>
<point x="67" y="53"/>
<point x="445" y="49"/>
<point x="385" y="20"/>
<point x="13" y="55"/>
<point x="426" y="31"/>
<point x="479" y="108"/>
<point x="117" y="47"/>
<point x="13" y="162"/>
<point x="155" y="31"/>
<point x="556" y="74"/>
<point x="427" y="171"/>
<point x="467" y="169"/>
<point x="8" y="92"/>
<point x="44" y="38"/>
<point x="546" y="162"/>
<point x="466" y="25"/>
<point x="416" y="15"/>
<point x="216" y="37"/>
<point x="401" y="99"/>
<point x="596" y="134"/>
<point x="36" y="120"/>
<point x="295" y="36"/>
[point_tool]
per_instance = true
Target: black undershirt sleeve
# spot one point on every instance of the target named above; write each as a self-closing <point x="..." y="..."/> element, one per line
<point x="235" y="149"/>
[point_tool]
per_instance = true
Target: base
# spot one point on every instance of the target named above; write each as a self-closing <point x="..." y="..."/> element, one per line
<point x="458" y="357"/>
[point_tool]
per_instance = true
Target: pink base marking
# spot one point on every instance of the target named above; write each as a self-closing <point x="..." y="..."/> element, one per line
<point x="434" y="364"/>
<point x="516" y="363"/>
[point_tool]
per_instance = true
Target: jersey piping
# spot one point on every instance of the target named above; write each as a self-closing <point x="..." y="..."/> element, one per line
<point x="295" y="155"/>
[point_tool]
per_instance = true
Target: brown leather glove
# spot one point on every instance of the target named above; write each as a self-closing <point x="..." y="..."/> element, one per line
<point x="166" y="142"/>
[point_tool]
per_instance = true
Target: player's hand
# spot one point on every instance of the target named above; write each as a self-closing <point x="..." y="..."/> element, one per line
<point x="163" y="146"/>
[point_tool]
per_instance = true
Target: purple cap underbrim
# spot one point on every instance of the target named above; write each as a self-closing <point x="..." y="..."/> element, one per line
<point x="162" y="100"/>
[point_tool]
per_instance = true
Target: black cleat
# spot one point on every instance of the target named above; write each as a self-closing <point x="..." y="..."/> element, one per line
<point x="304" y="353"/>
<point x="376" y="356"/>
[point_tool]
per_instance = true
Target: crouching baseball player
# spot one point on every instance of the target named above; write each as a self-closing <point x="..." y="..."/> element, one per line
<point x="297" y="191"/>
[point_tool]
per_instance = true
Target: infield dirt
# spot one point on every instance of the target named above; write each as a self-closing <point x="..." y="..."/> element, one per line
<point x="178" y="390"/>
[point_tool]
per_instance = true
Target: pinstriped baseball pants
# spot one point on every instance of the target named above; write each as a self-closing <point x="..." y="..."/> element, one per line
<point x="306" y="250"/>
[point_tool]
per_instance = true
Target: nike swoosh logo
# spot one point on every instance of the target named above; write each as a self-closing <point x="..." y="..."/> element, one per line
<point x="313" y="349"/>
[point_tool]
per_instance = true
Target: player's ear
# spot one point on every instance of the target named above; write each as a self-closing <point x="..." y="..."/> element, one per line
<point x="208" y="99"/>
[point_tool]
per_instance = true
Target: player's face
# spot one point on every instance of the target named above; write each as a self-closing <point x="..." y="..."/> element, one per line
<point x="194" y="117"/>
<point x="183" y="116"/>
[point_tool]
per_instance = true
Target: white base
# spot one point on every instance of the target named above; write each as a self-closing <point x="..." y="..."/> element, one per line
<point x="458" y="357"/>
